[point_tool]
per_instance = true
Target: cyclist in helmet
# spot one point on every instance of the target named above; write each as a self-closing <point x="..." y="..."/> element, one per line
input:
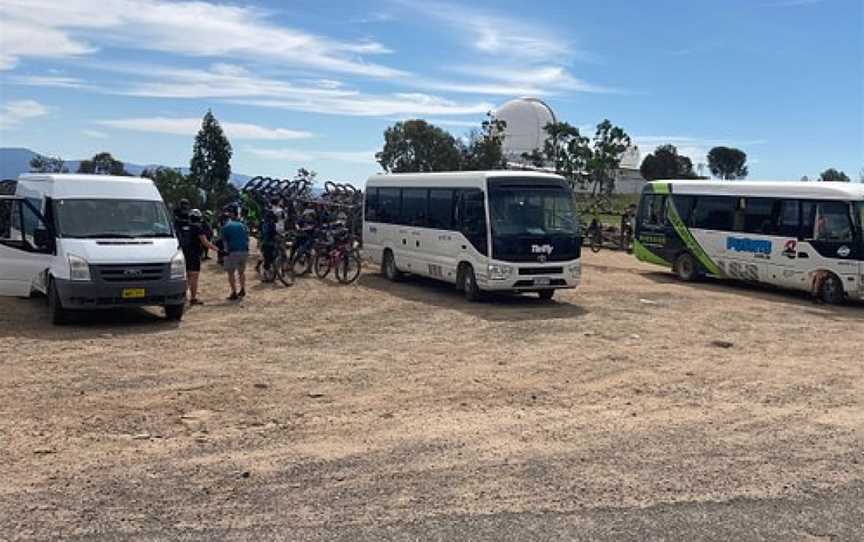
<point x="193" y="241"/>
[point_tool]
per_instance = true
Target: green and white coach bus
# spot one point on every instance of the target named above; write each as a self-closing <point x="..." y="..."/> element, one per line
<point x="804" y="236"/>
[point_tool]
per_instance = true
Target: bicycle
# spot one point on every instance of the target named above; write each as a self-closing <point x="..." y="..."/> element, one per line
<point x="280" y="268"/>
<point x="342" y="256"/>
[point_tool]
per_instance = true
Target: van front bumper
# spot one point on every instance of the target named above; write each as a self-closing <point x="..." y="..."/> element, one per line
<point x="100" y="295"/>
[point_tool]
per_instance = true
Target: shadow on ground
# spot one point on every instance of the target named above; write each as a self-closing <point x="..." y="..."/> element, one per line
<point x="497" y="307"/>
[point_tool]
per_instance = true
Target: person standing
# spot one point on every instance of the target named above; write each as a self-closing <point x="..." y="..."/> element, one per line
<point x="193" y="241"/>
<point x="235" y="237"/>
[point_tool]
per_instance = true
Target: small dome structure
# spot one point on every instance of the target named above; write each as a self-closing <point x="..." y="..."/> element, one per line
<point x="632" y="158"/>
<point x="526" y="120"/>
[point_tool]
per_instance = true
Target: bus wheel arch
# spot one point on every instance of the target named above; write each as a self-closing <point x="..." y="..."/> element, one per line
<point x="828" y="287"/>
<point x="466" y="281"/>
<point x="686" y="267"/>
<point x="388" y="266"/>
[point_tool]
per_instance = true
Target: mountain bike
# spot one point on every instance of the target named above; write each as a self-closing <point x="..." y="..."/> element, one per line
<point x="343" y="257"/>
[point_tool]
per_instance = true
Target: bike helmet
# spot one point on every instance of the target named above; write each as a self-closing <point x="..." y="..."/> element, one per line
<point x="195" y="213"/>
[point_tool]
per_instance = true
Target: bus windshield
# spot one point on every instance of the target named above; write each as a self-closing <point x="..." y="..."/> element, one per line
<point x="861" y="215"/>
<point x="532" y="211"/>
<point x="111" y="219"/>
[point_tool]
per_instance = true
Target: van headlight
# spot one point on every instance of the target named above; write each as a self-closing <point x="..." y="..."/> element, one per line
<point x="79" y="269"/>
<point x="178" y="266"/>
<point x="575" y="270"/>
<point x="499" y="272"/>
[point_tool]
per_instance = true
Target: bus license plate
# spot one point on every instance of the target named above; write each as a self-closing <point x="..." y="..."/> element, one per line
<point x="541" y="282"/>
<point x="133" y="293"/>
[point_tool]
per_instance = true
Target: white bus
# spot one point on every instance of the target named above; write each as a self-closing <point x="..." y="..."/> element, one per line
<point x="482" y="231"/>
<point x="805" y="236"/>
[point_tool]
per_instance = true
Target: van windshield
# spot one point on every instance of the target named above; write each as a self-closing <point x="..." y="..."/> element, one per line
<point x="111" y="219"/>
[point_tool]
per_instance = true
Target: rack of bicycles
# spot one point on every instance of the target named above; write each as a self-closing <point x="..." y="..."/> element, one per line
<point x="338" y="201"/>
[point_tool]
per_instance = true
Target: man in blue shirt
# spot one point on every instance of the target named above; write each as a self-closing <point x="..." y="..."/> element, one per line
<point x="235" y="237"/>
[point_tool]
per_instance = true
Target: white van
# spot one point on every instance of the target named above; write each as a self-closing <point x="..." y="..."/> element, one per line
<point x="89" y="242"/>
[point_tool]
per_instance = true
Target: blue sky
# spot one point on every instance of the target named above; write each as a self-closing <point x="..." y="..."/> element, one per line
<point x="314" y="84"/>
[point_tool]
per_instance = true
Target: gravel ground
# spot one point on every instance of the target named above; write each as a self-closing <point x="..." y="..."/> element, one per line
<point x="632" y="408"/>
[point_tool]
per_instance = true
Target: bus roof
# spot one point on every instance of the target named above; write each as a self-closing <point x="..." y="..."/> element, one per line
<point x="775" y="189"/>
<point x="467" y="177"/>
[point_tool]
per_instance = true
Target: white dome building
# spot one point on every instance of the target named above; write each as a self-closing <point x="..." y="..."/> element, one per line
<point x="526" y="120"/>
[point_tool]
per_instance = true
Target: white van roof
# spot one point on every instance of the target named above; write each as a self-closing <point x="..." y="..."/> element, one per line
<point x="68" y="186"/>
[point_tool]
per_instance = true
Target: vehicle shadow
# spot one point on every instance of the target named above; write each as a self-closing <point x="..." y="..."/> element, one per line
<point x="496" y="307"/>
<point x="28" y="318"/>
<point x="851" y="310"/>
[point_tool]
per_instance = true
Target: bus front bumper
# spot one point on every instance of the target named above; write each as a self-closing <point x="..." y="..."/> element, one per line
<point x="530" y="278"/>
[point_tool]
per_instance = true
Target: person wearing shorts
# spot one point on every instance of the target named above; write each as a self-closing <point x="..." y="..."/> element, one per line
<point x="235" y="237"/>
<point x="193" y="241"/>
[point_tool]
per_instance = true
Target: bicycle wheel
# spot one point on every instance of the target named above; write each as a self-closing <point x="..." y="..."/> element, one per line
<point x="322" y="265"/>
<point x="596" y="241"/>
<point x="301" y="263"/>
<point x="348" y="267"/>
<point x="268" y="275"/>
<point x="284" y="271"/>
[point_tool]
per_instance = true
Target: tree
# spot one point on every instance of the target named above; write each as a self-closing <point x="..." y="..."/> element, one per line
<point x="484" y="149"/>
<point x="833" y="175"/>
<point x="565" y="150"/>
<point x="47" y="164"/>
<point x="666" y="163"/>
<point x="102" y="164"/>
<point x="174" y="186"/>
<point x="210" y="167"/>
<point x="415" y="146"/>
<point x="609" y="144"/>
<point x="727" y="163"/>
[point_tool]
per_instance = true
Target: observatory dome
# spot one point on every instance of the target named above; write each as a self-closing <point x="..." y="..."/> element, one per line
<point x="526" y="120"/>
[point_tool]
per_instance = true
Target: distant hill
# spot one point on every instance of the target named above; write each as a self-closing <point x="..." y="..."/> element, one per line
<point x="15" y="161"/>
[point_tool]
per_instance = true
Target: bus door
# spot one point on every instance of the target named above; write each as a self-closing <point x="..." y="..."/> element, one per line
<point x="834" y="243"/>
<point x="656" y="232"/>
<point x="411" y="232"/>
<point x="441" y="241"/>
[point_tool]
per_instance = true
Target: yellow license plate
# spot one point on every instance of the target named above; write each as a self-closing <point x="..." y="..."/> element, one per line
<point x="133" y="293"/>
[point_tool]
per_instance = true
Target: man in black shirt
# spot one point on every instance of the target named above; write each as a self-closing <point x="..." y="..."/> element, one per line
<point x="193" y="241"/>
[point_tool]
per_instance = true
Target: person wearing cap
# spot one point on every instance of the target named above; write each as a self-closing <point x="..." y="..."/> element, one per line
<point x="193" y="241"/>
<point x="235" y="237"/>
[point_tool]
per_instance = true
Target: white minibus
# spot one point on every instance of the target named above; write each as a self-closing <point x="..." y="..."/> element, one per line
<point x="483" y="231"/>
<point x="805" y="236"/>
<point x="88" y="242"/>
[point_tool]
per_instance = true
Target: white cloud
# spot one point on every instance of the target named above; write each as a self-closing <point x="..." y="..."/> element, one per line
<point x="95" y="134"/>
<point x="384" y="105"/>
<point x="695" y="148"/>
<point x="295" y="155"/>
<point x="56" y="81"/>
<point x="496" y="34"/>
<point x="538" y="80"/>
<point x="46" y="28"/>
<point x="15" y="112"/>
<point x="190" y="126"/>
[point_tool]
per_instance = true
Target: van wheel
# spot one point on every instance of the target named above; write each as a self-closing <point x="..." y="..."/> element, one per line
<point x="388" y="267"/>
<point x="831" y="291"/>
<point x="174" y="313"/>
<point x="58" y="314"/>
<point x="686" y="268"/>
<point x="469" y="285"/>
<point x="546" y="295"/>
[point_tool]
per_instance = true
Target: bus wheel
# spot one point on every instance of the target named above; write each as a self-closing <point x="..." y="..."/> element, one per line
<point x="831" y="291"/>
<point x="469" y="285"/>
<point x="546" y="295"/>
<point x="685" y="268"/>
<point x="388" y="266"/>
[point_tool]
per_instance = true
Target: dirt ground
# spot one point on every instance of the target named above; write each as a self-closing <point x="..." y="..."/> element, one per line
<point x="634" y="407"/>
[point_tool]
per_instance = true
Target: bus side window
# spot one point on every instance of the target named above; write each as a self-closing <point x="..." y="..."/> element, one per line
<point x="415" y="205"/>
<point x="789" y="219"/>
<point x="372" y="204"/>
<point x="441" y="209"/>
<point x="684" y="207"/>
<point x="389" y="202"/>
